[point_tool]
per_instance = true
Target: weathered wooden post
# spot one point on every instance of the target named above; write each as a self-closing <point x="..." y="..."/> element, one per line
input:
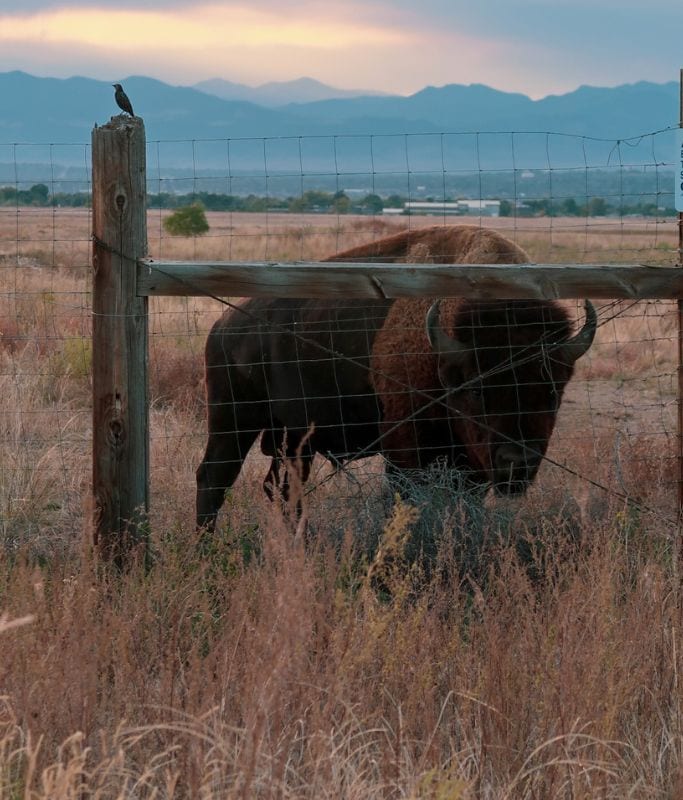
<point x="120" y="406"/>
<point x="680" y="326"/>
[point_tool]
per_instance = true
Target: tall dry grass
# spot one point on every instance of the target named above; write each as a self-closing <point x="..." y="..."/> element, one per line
<point x="285" y="673"/>
<point x="534" y="654"/>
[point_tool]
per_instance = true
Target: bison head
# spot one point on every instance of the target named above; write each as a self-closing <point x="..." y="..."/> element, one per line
<point x="505" y="368"/>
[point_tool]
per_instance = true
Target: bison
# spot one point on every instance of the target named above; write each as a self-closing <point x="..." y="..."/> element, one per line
<point x="475" y="383"/>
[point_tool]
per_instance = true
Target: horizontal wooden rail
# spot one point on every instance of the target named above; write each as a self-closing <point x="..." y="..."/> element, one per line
<point x="367" y="280"/>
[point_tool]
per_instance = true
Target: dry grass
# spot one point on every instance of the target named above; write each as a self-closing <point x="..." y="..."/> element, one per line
<point x="546" y="665"/>
<point x="289" y="676"/>
<point x="242" y="236"/>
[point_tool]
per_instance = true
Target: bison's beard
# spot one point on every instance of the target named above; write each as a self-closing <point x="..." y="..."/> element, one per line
<point x="514" y="471"/>
<point x="511" y="488"/>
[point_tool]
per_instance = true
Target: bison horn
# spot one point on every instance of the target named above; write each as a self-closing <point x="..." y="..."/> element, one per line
<point x="441" y="343"/>
<point x="579" y="343"/>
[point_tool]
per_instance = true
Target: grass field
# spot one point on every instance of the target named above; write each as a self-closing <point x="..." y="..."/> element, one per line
<point x="550" y="668"/>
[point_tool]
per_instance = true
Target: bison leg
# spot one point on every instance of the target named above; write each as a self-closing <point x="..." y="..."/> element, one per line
<point x="271" y="483"/>
<point x="295" y="454"/>
<point x="219" y="469"/>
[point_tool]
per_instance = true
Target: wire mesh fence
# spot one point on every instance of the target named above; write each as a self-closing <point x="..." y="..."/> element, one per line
<point x="561" y="198"/>
<point x="332" y="382"/>
<point x="555" y="189"/>
<point x="45" y="342"/>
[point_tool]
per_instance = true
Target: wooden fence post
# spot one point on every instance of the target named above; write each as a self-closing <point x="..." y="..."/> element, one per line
<point x="120" y="405"/>
<point x="680" y="335"/>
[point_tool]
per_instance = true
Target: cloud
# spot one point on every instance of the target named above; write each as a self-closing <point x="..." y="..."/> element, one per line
<point x="23" y="7"/>
<point x="262" y="39"/>
<point x="532" y="46"/>
<point x="204" y="26"/>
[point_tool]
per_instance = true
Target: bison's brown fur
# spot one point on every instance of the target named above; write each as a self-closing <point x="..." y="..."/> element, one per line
<point x="404" y="324"/>
<point x="439" y="244"/>
<point x="477" y="384"/>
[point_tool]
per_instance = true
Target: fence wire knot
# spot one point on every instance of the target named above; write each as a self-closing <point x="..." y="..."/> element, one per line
<point x="114" y="250"/>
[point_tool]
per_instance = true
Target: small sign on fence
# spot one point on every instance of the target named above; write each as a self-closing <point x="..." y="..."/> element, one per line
<point x="679" y="169"/>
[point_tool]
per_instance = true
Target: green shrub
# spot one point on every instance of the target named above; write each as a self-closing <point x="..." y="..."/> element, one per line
<point x="187" y="221"/>
<point x="73" y="358"/>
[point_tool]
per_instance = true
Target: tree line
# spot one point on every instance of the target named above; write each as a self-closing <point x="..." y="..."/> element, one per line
<point x="316" y="201"/>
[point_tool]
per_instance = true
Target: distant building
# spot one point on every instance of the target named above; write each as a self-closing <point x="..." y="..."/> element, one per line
<point x="485" y="208"/>
<point x="424" y="207"/>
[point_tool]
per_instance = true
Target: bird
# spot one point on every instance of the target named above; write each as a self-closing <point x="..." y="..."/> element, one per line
<point x="122" y="100"/>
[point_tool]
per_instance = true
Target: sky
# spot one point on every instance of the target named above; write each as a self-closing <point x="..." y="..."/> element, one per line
<point x="537" y="47"/>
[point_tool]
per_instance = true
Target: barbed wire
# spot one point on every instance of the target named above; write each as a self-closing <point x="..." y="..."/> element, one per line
<point x="441" y="399"/>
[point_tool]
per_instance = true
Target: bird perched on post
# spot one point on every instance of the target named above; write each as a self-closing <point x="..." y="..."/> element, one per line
<point x="122" y="100"/>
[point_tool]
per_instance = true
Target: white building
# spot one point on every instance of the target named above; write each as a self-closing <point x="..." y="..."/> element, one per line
<point x="485" y="208"/>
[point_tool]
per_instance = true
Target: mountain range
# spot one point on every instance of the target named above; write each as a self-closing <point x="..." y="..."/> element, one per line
<point x="279" y="93"/>
<point x="453" y="127"/>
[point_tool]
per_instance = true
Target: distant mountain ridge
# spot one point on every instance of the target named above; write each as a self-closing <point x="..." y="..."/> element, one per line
<point x="56" y="111"/>
<point x="620" y="112"/>
<point x="279" y="93"/>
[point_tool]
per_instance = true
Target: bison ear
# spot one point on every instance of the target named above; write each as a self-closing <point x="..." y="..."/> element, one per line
<point x="453" y="351"/>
